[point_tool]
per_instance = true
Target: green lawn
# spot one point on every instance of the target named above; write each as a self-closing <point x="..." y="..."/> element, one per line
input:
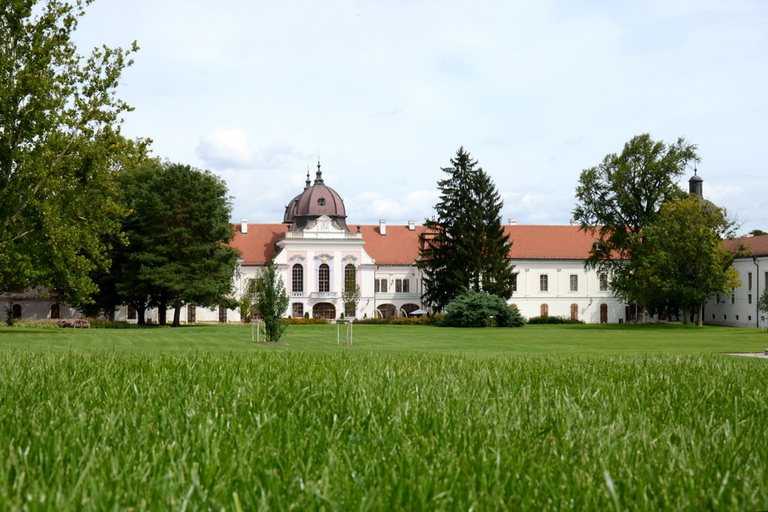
<point x="409" y="418"/>
<point x="402" y="339"/>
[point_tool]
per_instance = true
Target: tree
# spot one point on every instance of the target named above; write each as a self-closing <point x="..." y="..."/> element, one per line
<point x="59" y="138"/>
<point x="762" y="302"/>
<point x="683" y="261"/>
<point x="465" y="246"/>
<point x="757" y="232"/>
<point x="351" y="295"/>
<point x="272" y="302"/>
<point x="619" y="198"/>
<point x="178" y="233"/>
<point x="480" y="309"/>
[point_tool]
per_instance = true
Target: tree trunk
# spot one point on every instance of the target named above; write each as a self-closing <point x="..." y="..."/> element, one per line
<point x="141" y="315"/>
<point x="686" y="316"/>
<point x="111" y="313"/>
<point x="700" y="316"/>
<point x="177" y="314"/>
<point x="162" y="312"/>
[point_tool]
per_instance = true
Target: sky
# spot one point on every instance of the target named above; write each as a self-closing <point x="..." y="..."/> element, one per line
<point x="384" y="92"/>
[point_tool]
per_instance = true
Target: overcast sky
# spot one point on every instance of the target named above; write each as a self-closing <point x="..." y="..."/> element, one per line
<point x="386" y="91"/>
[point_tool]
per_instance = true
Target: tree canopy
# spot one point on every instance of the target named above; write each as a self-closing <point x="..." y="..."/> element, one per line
<point x="683" y="261"/>
<point x="620" y="197"/>
<point x="178" y="234"/>
<point x="271" y="301"/>
<point x="465" y="246"/>
<point x="59" y="149"/>
<point x="480" y="309"/>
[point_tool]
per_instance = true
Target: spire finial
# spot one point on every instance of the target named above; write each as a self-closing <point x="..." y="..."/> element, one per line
<point x="319" y="175"/>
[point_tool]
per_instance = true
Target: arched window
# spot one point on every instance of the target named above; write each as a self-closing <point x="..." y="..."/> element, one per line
<point x="16" y="311"/>
<point x="350" y="278"/>
<point x="387" y="310"/>
<point x="324" y="278"/>
<point x="409" y="308"/>
<point x="297" y="278"/>
<point x="55" y="311"/>
<point x="544" y="310"/>
<point x="324" y="310"/>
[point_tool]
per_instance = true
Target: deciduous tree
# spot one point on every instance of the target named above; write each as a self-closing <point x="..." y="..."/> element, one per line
<point x="59" y="138"/>
<point x="272" y="301"/>
<point x="620" y="197"/>
<point x="683" y="261"/>
<point x="465" y="246"/>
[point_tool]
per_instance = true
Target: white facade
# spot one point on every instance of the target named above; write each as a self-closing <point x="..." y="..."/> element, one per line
<point x="740" y="309"/>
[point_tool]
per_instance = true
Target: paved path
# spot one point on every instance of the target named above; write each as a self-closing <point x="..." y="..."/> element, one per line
<point x="759" y="354"/>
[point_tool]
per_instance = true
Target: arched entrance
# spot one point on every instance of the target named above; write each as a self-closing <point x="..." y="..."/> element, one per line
<point x="387" y="310"/>
<point x="409" y="308"/>
<point x="324" y="310"/>
<point x="16" y="311"/>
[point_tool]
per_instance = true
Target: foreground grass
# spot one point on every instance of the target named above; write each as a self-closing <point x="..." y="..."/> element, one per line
<point x="417" y="418"/>
<point x="341" y="431"/>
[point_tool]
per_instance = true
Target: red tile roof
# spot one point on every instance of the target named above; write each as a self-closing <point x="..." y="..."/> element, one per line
<point x="549" y="242"/>
<point x="400" y="246"/>
<point x="258" y="246"/>
<point x="757" y="245"/>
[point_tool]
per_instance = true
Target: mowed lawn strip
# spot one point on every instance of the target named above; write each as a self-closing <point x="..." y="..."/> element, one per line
<point x="401" y="339"/>
<point x="342" y="430"/>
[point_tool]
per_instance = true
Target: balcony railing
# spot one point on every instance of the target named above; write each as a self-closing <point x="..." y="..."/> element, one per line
<point x="323" y="295"/>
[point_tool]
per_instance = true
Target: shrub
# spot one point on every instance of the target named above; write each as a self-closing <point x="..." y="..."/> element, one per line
<point x="553" y="320"/>
<point x="305" y="321"/>
<point x="480" y="309"/>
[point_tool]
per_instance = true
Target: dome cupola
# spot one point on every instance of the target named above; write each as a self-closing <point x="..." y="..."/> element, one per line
<point x="316" y="200"/>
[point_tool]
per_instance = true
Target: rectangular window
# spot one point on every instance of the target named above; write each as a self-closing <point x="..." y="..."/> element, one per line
<point x="514" y="283"/>
<point x="324" y="278"/>
<point x="380" y="286"/>
<point x="406" y="286"/>
<point x="297" y="310"/>
<point x="749" y="281"/>
<point x="131" y="313"/>
<point x="222" y="314"/>
<point x="297" y="279"/>
<point x="543" y="283"/>
<point x="398" y="286"/>
<point x="749" y="298"/>
<point x="603" y="283"/>
<point x="574" y="282"/>
<point x="733" y="295"/>
<point x="191" y="314"/>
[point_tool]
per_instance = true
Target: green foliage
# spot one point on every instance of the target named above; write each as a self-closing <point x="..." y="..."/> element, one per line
<point x="480" y="309"/>
<point x="178" y="232"/>
<point x="762" y="302"/>
<point x="268" y="430"/>
<point x="465" y="245"/>
<point x="272" y="301"/>
<point x="59" y="149"/>
<point x="619" y="198"/>
<point x="552" y="320"/>
<point x="681" y="260"/>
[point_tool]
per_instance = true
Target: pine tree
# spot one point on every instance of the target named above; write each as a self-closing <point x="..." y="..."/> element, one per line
<point x="465" y="246"/>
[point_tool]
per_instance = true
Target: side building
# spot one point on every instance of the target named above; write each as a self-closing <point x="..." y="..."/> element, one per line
<point x="740" y="309"/>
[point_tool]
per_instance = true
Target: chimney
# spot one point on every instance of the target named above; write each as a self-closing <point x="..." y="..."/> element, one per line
<point x="382" y="227"/>
<point x="512" y="222"/>
<point x="244" y="226"/>
<point x="411" y="225"/>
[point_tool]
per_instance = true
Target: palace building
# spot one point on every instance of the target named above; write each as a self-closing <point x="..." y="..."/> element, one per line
<point x="321" y="255"/>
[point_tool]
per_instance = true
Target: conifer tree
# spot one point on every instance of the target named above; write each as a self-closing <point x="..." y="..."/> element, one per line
<point x="465" y="246"/>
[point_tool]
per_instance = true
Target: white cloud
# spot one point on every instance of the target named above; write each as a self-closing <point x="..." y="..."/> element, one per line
<point x="231" y="149"/>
